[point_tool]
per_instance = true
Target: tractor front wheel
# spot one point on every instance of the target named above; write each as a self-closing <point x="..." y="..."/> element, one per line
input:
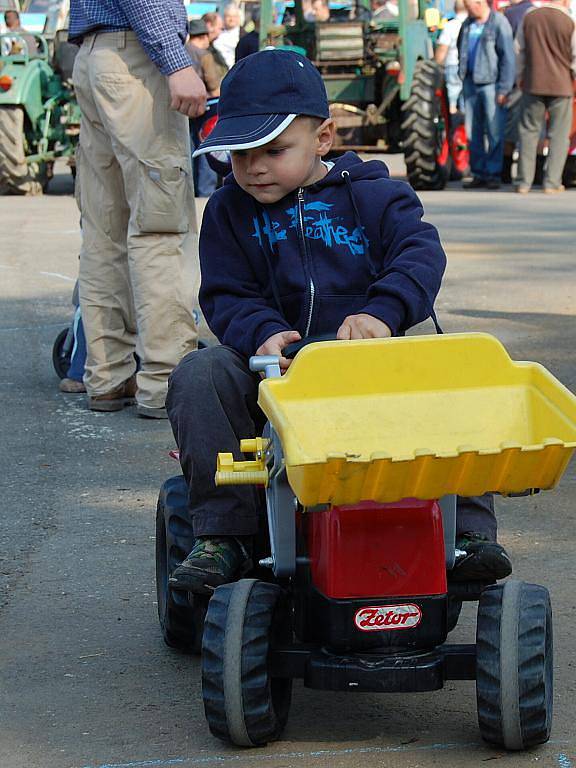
<point x="425" y="136"/>
<point x="17" y="177"/>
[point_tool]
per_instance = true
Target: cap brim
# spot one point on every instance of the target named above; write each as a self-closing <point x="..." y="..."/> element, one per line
<point x="246" y="132"/>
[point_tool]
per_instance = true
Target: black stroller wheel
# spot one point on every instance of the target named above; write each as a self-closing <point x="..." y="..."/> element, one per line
<point x="62" y="352"/>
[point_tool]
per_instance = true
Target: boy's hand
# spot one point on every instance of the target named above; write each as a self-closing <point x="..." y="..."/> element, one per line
<point x="363" y="326"/>
<point x="275" y="344"/>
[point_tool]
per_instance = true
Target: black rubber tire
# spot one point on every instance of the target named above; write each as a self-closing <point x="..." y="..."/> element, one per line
<point x="423" y="130"/>
<point x="62" y="353"/>
<point x="514" y="665"/>
<point x="181" y="615"/>
<point x="17" y="177"/>
<point x="453" y="611"/>
<point x="243" y="703"/>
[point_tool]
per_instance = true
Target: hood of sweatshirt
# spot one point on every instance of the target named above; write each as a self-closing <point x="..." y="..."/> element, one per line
<point x="353" y="242"/>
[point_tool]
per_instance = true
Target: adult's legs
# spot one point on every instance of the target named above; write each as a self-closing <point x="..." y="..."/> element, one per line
<point x="494" y="122"/>
<point x="151" y="147"/>
<point x="560" y="112"/>
<point x="104" y="282"/>
<point x="474" y="114"/>
<point x="531" y="120"/>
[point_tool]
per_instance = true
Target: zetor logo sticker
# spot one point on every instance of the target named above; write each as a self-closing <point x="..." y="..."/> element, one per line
<point x="376" y="618"/>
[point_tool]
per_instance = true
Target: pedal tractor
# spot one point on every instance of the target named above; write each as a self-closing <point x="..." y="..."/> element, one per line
<point x="367" y="445"/>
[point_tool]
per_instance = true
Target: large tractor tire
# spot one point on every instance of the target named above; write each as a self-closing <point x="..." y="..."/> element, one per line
<point x="426" y="144"/>
<point x="17" y="177"/>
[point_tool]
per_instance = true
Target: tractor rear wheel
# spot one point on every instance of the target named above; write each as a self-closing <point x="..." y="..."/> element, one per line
<point x="17" y="177"/>
<point x="426" y="143"/>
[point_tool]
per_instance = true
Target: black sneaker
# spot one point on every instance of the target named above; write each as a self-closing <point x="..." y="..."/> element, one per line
<point x="479" y="559"/>
<point x="214" y="560"/>
<point x="475" y="183"/>
<point x="493" y="184"/>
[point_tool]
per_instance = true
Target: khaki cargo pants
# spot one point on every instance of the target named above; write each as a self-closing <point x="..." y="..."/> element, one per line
<point x="137" y="203"/>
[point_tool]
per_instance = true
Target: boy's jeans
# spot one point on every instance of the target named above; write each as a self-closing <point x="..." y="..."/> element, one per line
<point x="212" y="404"/>
<point x="485" y="120"/>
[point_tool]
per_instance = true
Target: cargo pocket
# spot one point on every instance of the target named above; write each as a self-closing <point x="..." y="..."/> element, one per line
<point x="163" y="199"/>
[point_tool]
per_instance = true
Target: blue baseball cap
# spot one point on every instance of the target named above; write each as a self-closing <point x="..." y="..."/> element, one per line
<point x="261" y="95"/>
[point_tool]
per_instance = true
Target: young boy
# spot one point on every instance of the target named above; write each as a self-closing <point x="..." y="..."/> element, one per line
<point x="293" y="246"/>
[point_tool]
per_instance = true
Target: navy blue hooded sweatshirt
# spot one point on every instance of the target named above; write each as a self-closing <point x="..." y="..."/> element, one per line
<point x="352" y="242"/>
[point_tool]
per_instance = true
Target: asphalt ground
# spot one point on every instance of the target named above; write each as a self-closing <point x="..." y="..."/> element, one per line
<point x="85" y="679"/>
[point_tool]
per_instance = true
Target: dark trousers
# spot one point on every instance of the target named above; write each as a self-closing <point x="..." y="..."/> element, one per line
<point x="212" y="405"/>
<point x="532" y="118"/>
<point x="485" y="120"/>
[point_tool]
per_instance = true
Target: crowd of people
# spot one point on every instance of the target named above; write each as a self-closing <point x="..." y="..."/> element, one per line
<point x="507" y="71"/>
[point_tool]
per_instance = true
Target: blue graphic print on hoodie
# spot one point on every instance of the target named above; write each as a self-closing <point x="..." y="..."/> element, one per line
<point x="352" y="242"/>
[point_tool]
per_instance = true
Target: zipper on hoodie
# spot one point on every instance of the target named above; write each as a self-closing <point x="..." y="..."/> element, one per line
<point x="311" y="286"/>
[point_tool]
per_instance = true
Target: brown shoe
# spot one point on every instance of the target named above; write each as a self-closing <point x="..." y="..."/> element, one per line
<point x="72" y="387"/>
<point x="115" y="400"/>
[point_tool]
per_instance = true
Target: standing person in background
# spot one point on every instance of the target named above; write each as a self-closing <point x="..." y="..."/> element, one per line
<point x="215" y="25"/>
<point x="486" y="67"/>
<point x="14" y="45"/>
<point x="202" y="60"/>
<point x="136" y="87"/>
<point x="205" y="179"/>
<point x="227" y="40"/>
<point x="446" y="53"/>
<point x="249" y="42"/>
<point x="514" y="13"/>
<point x="546" y="45"/>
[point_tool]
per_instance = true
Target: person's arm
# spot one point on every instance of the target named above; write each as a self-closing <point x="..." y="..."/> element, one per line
<point x="440" y="53"/>
<point x="520" y="49"/>
<point x="159" y="30"/>
<point x="232" y="290"/>
<point x="506" y="59"/>
<point x="210" y="75"/>
<point x="443" y="45"/>
<point x="413" y="262"/>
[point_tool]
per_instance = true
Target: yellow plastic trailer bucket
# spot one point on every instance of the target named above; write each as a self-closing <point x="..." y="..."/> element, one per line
<point x="387" y="419"/>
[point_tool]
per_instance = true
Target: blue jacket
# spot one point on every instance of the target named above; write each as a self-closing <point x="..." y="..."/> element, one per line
<point x="495" y="60"/>
<point x="353" y="242"/>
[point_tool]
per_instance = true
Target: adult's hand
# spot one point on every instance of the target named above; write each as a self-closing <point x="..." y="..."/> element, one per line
<point x="188" y="92"/>
<point x="501" y="99"/>
<point x="363" y="326"/>
<point x="275" y="344"/>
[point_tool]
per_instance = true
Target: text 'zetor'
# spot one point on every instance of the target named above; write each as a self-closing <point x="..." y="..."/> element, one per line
<point x="381" y="617"/>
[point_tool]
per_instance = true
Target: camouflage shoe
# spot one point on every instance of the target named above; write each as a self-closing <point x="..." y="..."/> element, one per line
<point x="214" y="560"/>
<point x="479" y="559"/>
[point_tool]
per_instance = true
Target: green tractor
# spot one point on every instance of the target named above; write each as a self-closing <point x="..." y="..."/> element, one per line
<point x="386" y="91"/>
<point x="39" y="117"/>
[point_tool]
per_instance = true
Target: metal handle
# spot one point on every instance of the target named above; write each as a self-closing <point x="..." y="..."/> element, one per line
<point x="269" y="364"/>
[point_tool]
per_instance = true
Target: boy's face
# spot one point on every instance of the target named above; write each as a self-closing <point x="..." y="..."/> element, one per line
<point x="291" y="160"/>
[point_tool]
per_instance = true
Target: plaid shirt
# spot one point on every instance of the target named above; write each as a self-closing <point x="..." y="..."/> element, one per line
<point x="161" y="26"/>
